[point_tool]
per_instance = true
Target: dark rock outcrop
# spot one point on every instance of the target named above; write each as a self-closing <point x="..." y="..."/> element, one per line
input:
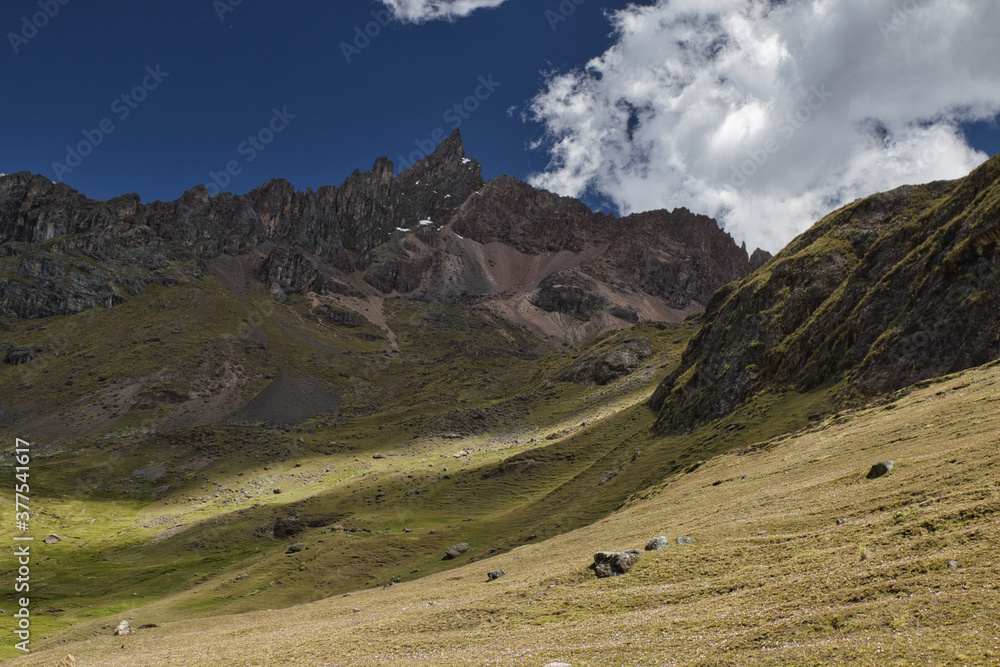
<point x="287" y="526"/>
<point x="606" y="367"/>
<point x="885" y="292"/>
<point x="341" y="318"/>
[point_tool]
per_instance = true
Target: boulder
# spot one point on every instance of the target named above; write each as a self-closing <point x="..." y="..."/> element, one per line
<point x="880" y="469"/>
<point x="456" y="551"/>
<point x="614" y="563"/>
<point x="685" y="540"/>
<point x="295" y="548"/>
<point x="68" y="661"/>
<point x="495" y="574"/>
<point x="123" y="629"/>
<point x="52" y="539"/>
<point x="19" y="355"/>
<point x="657" y="543"/>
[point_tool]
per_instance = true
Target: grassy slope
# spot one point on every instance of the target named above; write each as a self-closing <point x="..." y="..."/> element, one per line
<point x="772" y="579"/>
<point x="536" y="451"/>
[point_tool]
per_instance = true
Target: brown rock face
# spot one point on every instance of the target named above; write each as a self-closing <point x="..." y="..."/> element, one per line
<point x="888" y="291"/>
<point x="436" y="232"/>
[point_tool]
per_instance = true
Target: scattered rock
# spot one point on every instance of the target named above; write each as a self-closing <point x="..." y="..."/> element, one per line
<point x="68" y="661"/>
<point x="841" y="522"/>
<point x="880" y="469"/>
<point x="557" y="664"/>
<point x="614" y="563"/>
<point x="296" y="548"/>
<point x="685" y="540"/>
<point x="356" y="610"/>
<point x="953" y="564"/>
<point x="52" y="539"/>
<point x="495" y="574"/>
<point x="242" y="576"/>
<point x="378" y="456"/>
<point x="657" y="543"/>
<point x="277" y="491"/>
<point x="123" y="629"/>
<point x="456" y="551"/>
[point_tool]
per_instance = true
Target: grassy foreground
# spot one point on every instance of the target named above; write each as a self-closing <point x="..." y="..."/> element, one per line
<point x="906" y="578"/>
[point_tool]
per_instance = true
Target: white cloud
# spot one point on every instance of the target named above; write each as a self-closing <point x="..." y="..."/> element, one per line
<point x="417" y="11"/>
<point x="767" y="114"/>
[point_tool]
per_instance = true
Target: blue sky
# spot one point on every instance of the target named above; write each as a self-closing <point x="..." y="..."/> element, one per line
<point x="163" y="96"/>
<point x="226" y="76"/>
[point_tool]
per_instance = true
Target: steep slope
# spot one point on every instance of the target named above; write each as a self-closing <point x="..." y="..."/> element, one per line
<point x="887" y="291"/>
<point x="798" y="559"/>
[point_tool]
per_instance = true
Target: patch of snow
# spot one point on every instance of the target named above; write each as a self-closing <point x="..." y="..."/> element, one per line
<point x="466" y="160"/>
<point x="447" y="196"/>
<point x="400" y="229"/>
<point x="424" y="223"/>
<point x="461" y="237"/>
<point x="417" y="183"/>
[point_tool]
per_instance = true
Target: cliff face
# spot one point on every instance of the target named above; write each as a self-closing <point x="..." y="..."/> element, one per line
<point x="888" y="291"/>
<point x="436" y="232"/>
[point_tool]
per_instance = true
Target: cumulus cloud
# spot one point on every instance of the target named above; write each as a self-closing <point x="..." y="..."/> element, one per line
<point x="769" y="114"/>
<point x="418" y="11"/>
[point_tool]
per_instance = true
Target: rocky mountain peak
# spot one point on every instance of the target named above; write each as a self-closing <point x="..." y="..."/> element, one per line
<point x="437" y="232"/>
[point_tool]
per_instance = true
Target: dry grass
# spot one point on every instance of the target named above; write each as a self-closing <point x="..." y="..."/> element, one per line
<point x="772" y="579"/>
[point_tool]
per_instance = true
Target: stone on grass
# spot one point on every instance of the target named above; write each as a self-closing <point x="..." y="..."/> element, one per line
<point x="685" y="540"/>
<point x="495" y="574"/>
<point x="456" y="551"/>
<point x="657" y="543"/>
<point x="879" y="469"/>
<point x="52" y="539"/>
<point x="68" y="661"/>
<point x="557" y="664"/>
<point x="123" y="629"/>
<point x="614" y="563"/>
